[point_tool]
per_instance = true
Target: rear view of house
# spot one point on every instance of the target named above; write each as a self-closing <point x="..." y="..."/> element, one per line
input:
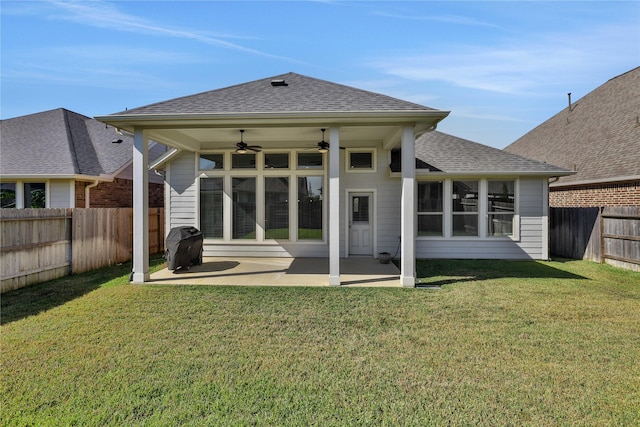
<point x="293" y="166"/>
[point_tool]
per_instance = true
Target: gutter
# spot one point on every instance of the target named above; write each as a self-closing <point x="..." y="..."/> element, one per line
<point x="286" y="118"/>
<point x="87" y="200"/>
<point x="160" y="161"/>
<point x="615" y="180"/>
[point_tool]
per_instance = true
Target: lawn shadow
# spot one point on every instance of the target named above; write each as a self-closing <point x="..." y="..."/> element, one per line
<point x="33" y="299"/>
<point x="445" y="272"/>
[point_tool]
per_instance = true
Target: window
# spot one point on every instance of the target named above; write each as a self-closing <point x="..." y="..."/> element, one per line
<point x="500" y="207"/>
<point x="465" y="208"/>
<point x="430" y="208"/>
<point x="361" y="161"/>
<point x="211" y="161"/>
<point x="8" y="195"/>
<point x="211" y="207"/>
<point x="310" y="207"/>
<point x="243" y="161"/>
<point x="276" y="208"/>
<point x="34" y="195"/>
<point x="310" y="160"/>
<point x="243" y="208"/>
<point x="276" y="160"/>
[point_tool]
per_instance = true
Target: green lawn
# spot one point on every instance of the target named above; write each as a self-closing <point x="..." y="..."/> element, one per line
<point x="479" y="343"/>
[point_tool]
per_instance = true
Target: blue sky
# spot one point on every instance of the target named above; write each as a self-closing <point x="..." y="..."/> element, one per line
<point x="501" y="67"/>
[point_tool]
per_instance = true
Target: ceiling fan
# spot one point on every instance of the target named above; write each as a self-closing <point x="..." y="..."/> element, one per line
<point x="323" y="146"/>
<point x="242" y="147"/>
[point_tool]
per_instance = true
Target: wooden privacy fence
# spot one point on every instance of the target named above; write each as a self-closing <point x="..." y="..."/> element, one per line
<point x="44" y="244"/>
<point x="610" y="234"/>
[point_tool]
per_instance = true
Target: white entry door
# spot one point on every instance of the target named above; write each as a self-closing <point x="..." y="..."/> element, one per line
<point x="361" y="224"/>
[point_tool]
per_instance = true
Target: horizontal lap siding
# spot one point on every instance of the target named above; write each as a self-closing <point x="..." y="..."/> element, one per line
<point x="182" y="192"/>
<point x="388" y="192"/>
<point x="267" y="250"/>
<point x="529" y="246"/>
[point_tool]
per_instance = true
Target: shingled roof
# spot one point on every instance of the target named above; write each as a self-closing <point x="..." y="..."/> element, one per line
<point x="283" y="93"/>
<point x="60" y="143"/>
<point x="598" y="136"/>
<point x="440" y="152"/>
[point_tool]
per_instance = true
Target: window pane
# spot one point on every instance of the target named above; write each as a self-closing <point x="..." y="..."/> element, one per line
<point x="429" y="225"/>
<point x="465" y="196"/>
<point x="465" y="225"/>
<point x="501" y="196"/>
<point x="500" y="225"/>
<point x="243" y="161"/>
<point x="244" y="208"/>
<point x="310" y="208"/>
<point x="310" y="160"/>
<point x="8" y="195"/>
<point x="211" y="211"/>
<point x="429" y="196"/>
<point x="360" y="209"/>
<point x="276" y="161"/>
<point x="361" y="160"/>
<point x="211" y="161"/>
<point x="276" y="208"/>
<point x="34" y="195"/>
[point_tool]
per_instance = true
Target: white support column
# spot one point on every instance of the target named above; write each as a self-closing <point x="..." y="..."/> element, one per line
<point x="140" y="207"/>
<point x="408" y="209"/>
<point x="334" y="207"/>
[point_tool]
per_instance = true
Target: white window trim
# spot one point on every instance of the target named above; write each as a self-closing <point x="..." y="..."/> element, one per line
<point x="259" y="173"/>
<point x="483" y="215"/>
<point x="374" y="161"/>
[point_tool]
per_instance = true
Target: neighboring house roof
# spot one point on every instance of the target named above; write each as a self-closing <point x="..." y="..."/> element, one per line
<point x="62" y="143"/>
<point x="598" y="136"/>
<point x="441" y="152"/>
<point x="289" y="92"/>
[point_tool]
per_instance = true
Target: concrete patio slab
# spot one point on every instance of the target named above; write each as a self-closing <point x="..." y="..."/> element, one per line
<point x="356" y="271"/>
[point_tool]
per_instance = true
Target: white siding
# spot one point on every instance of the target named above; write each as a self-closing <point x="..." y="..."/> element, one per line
<point x="528" y="246"/>
<point x="387" y="212"/>
<point x="61" y="194"/>
<point x="182" y="193"/>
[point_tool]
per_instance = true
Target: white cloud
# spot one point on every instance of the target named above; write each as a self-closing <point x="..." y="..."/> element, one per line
<point x="521" y="67"/>
<point x="105" y="15"/>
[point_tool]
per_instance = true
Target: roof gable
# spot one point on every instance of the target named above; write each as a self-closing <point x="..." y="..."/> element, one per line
<point x="280" y="94"/>
<point x="599" y="136"/>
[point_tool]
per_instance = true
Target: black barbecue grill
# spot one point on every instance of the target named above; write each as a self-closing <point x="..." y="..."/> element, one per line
<point x="184" y="248"/>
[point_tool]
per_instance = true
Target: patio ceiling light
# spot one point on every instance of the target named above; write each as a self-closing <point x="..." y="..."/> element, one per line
<point x="323" y="146"/>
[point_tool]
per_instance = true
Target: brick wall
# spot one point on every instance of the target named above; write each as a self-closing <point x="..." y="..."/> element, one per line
<point x="117" y="194"/>
<point x="623" y="194"/>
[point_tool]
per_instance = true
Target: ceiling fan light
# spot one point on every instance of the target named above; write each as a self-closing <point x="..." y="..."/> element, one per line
<point x="241" y="151"/>
<point x="323" y="149"/>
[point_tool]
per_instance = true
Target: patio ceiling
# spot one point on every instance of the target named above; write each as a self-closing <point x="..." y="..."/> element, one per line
<point x="292" y="130"/>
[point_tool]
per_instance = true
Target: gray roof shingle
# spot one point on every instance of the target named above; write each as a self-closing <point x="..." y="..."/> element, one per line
<point x="60" y="142"/>
<point x="441" y="152"/>
<point x="301" y="93"/>
<point x="599" y="136"/>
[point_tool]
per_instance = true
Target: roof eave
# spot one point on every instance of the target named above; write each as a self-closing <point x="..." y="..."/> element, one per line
<point x="285" y="118"/>
<point x="450" y="174"/>
<point x="20" y="177"/>
<point x="613" y="180"/>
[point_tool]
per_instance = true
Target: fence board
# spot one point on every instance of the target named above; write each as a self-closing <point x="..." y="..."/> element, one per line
<point x="610" y="234"/>
<point x="43" y="244"/>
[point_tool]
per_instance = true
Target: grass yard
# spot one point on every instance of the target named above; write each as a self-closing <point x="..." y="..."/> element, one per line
<point x="479" y="343"/>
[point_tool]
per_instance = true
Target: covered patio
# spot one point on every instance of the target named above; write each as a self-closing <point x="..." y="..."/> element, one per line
<point x="245" y="271"/>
